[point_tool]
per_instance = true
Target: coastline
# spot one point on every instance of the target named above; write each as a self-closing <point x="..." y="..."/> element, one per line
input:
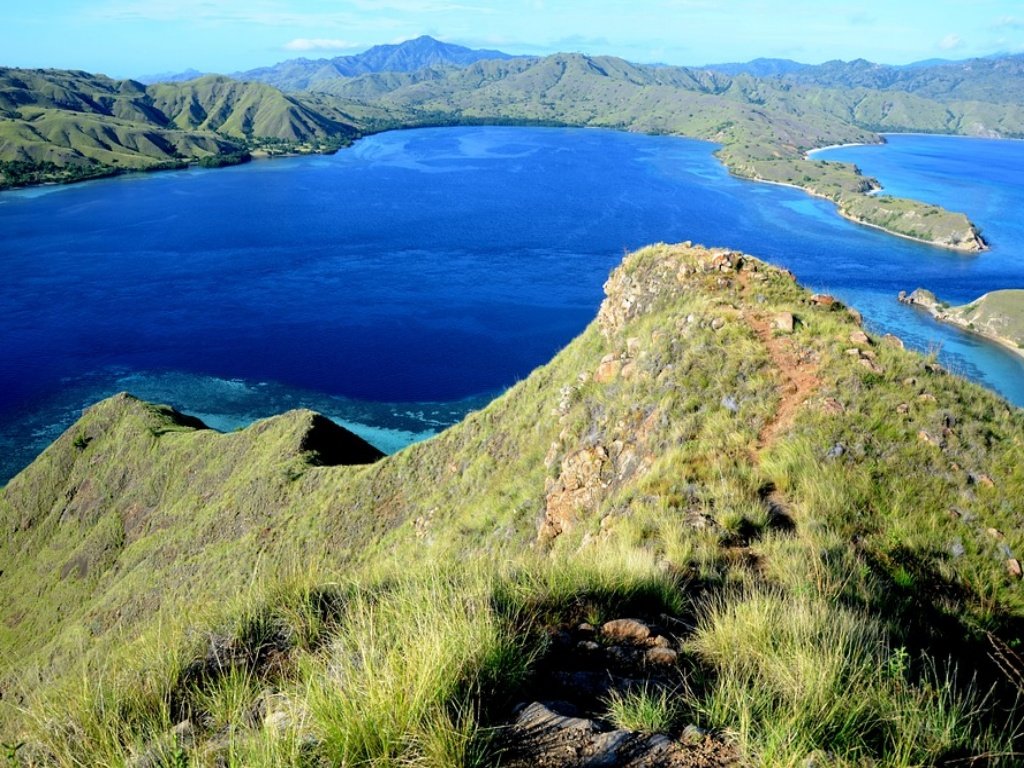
<point x="848" y="217"/>
<point x="940" y="314"/>
<point x="810" y="152"/>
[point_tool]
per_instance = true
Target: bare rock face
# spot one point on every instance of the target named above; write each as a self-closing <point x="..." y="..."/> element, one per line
<point x="583" y="478"/>
<point x="542" y="736"/>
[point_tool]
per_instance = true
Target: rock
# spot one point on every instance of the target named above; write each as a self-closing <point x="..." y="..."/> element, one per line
<point x="823" y="300"/>
<point x="956" y="549"/>
<point x="587" y="630"/>
<point x="628" y="370"/>
<point x="607" y="371"/>
<point x="859" y="337"/>
<point x="632" y="346"/>
<point x="856" y="316"/>
<point x="583" y="477"/>
<point x="893" y="341"/>
<point x="277" y="722"/>
<point x="587" y="646"/>
<point x="626" y="630"/>
<point x="926" y="397"/>
<point x="871" y="365"/>
<point x="658" y="641"/>
<point x="661" y="656"/>
<point x="832" y="406"/>
<point x="718" y="323"/>
<point x="730" y="404"/>
<point x="925" y="437"/>
<point x="903" y="408"/>
<point x="784" y="321"/>
<point x="184" y="733"/>
<point x="1013" y="568"/>
<point x="836" y="451"/>
<point x="982" y="479"/>
<point x="995" y="533"/>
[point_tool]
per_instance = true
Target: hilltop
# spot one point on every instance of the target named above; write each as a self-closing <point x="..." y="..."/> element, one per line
<point x="725" y="514"/>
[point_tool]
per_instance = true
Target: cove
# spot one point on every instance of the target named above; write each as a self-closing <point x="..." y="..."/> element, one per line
<point x="400" y="283"/>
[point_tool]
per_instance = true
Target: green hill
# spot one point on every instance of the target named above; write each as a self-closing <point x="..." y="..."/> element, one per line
<point x="60" y="125"/>
<point x="998" y="315"/>
<point x="813" y="534"/>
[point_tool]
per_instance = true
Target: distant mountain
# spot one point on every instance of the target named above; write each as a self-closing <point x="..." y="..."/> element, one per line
<point x="998" y="80"/>
<point x="171" y="77"/>
<point x="759" y="67"/>
<point x="310" y="74"/>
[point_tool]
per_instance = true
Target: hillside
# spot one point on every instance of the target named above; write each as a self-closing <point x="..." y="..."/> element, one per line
<point x="58" y="125"/>
<point x="408" y="56"/>
<point x="998" y="315"/>
<point x="765" y="126"/>
<point x="724" y="513"/>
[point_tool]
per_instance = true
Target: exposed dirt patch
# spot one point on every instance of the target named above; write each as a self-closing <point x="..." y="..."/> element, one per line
<point x="798" y="375"/>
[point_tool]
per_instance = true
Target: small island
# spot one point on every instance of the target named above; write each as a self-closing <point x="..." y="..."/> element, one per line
<point x="997" y="316"/>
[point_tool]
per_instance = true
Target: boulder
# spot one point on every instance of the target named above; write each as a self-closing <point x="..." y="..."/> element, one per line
<point x="626" y="630"/>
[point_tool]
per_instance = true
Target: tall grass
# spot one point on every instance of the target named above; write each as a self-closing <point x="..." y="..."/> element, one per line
<point x="794" y="675"/>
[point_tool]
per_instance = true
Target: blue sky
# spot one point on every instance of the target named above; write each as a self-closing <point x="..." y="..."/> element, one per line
<point x="136" y="37"/>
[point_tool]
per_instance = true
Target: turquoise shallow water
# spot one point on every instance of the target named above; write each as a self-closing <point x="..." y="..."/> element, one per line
<point x="405" y="281"/>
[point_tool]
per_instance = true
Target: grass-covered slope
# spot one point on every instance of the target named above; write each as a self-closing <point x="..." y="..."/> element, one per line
<point x="824" y="525"/>
<point x="58" y="125"/>
<point x="998" y="315"/>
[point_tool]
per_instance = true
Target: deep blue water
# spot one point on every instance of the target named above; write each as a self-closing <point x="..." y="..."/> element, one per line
<point x="400" y="283"/>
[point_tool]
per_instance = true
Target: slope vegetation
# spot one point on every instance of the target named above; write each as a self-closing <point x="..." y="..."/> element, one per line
<point x="62" y="125"/>
<point x="723" y="514"/>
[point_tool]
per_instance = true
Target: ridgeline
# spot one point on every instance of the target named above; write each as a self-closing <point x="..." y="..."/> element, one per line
<point x="724" y="526"/>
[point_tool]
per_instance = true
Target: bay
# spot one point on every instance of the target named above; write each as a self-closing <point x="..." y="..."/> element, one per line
<point x="402" y="282"/>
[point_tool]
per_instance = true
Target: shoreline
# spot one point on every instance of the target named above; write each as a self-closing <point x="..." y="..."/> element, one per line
<point x="939" y="316"/>
<point x="843" y="214"/>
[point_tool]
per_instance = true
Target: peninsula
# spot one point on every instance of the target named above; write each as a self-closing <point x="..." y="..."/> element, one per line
<point x="997" y="316"/>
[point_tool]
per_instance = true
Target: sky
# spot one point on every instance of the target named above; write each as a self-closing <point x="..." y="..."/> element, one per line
<point x="132" y="38"/>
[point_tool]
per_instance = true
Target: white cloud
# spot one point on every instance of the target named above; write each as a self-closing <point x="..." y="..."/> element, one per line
<point x="949" y="42"/>
<point x="318" y="44"/>
<point x="1010" y="22"/>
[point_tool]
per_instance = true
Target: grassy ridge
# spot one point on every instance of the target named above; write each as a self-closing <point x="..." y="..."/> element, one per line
<point x="60" y="125"/>
<point x="837" y="528"/>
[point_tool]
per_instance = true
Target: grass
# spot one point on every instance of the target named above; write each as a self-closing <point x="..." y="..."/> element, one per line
<point x="645" y="710"/>
<point x="388" y="614"/>
<point x="796" y="675"/>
